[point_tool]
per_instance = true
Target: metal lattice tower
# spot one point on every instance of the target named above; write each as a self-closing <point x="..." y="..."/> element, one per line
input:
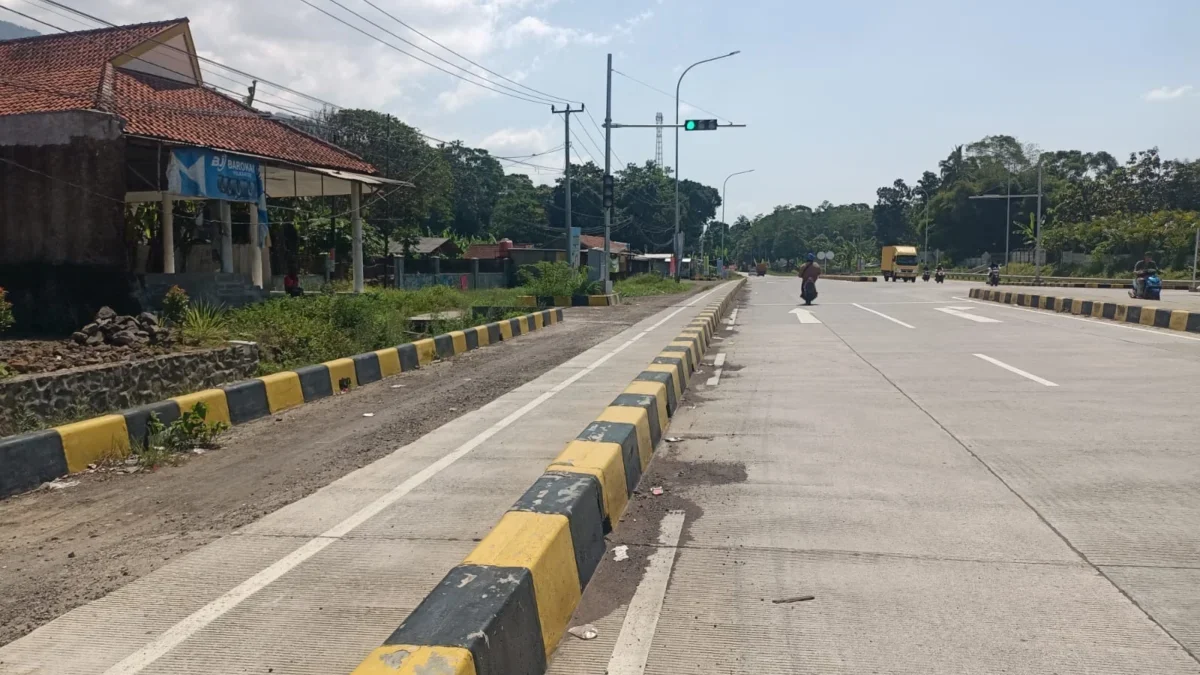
<point x="658" y="141"/>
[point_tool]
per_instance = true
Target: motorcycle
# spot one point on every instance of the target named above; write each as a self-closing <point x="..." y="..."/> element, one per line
<point x="993" y="278"/>
<point x="925" y="275"/>
<point x="808" y="292"/>
<point x="1151" y="287"/>
<point x="940" y="276"/>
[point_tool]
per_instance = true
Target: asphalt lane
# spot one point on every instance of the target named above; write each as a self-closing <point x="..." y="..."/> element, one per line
<point x="963" y="487"/>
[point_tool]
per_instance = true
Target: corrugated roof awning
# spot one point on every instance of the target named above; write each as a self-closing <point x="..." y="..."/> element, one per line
<point x="314" y="181"/>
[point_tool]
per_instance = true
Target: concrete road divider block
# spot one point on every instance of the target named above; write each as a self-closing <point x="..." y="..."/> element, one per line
<point x="523" y="323"/>
<point x="29" y="460"/>
<point x="409" y="360"/>
<point x="91" y="440"/>
<point x="412" y="660"/>
<point x="342" y="374"/>
<point x="494" y="334"/>
<point x="137" y="419"/>
<point x="366" y="369"/>
<point x="538" y="320"/>
<point x="315" y="382"/>
<point x="247" y="401"/>
<point x="689" y="350"/>
<point x="426" y="351"/>
<point x="506" y="329"/>
<point x="486" y="610"/>
<point x="213" y="399"/>
<point x="540" y="543"/>
<point x="389" y="361"/>
<point x="623" y="435"/>
<point x="639" y="418"/>
<point x="1142" y="315"/>
<point x="670" y="364"/>
<point x="578" y="498"/>
<point x="472" y="336"/>
<point x="459" y="340"/>
<point x="444" y="344"/>
<point x="283" y="391"/>
<point x="650" y="405"/>
<point x="658" y="390"/>
<point x="667" y="380"/>
<point x="604" y="462"/>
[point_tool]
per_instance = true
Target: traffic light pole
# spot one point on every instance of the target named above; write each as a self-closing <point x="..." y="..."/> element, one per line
<point x="566" y="112"/>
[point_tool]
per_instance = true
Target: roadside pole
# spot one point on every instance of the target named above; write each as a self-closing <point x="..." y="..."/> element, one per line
<point x="608" y="196"/>
<point x="1195" y="260"/>
<point x="566" y="112"/>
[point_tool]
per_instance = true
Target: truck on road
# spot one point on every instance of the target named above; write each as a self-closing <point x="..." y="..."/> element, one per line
<point x="899" y="262"/>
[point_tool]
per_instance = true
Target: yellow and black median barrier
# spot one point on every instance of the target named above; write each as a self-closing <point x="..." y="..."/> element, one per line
<point x="848" y="277"/>
<point x="503" y="609"/>
<point x="28" y="460"/>
<point x="1144" y="315"/>
<point x="569" y="300"/>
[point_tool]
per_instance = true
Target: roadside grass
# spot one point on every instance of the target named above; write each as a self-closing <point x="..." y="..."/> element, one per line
<point x="296" y="332"/>
<point x="642" y="285"/>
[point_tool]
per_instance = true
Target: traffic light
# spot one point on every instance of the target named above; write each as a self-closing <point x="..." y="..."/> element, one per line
<point x="700" y="125"/>
<point x="608" y="191"/>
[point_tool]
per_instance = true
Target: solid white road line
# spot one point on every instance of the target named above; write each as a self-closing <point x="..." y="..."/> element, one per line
<point x="804" y="315"/>
<point x="175" y="635"/>
<point x="1018" y="371"/>
<point x="883" y="315"/>
<point x="962" y="312"/>
<point x="1091" y="320"/>
<point x="718" y="363"/>
<point x="641" y="620"/>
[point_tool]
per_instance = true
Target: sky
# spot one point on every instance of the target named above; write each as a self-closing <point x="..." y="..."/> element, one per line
<point x="839" y="98"/>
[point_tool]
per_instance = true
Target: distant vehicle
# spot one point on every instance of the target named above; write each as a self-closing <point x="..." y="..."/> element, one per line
<point x="993" y="277"/>
<point x="899" y="262"/>
<point x="761" y="268"/>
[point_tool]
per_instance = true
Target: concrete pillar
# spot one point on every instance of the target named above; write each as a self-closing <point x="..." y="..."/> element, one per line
<point x="474" y="272"/>
<point x="226" y="237"/>
<point x="398" y="265"/>
<point x="437" y="265"/>
<point x="356" y="221"/>
<point x="256" y="262"/>
<point x="167" y="218"/>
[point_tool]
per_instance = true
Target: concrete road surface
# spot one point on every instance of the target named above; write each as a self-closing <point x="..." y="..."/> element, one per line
<point x="962" y="487"/>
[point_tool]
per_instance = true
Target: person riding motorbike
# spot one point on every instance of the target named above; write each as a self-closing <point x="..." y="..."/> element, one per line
<point x="1144" y="268"/>
<point x="809" y="273"/>
<point x="994" y="274"/>
<point x="939" y="274"/>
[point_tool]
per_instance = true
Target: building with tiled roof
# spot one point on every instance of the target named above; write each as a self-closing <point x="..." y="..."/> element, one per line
<point x="91" y="121"/>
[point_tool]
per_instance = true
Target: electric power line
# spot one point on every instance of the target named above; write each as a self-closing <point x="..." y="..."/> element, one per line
<point x="671" y="96"/>
<point x="600" y="130"/>
<point x="416" y="58"/>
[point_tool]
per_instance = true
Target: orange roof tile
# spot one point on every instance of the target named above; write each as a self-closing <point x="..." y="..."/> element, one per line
<point x="66" y="71"/>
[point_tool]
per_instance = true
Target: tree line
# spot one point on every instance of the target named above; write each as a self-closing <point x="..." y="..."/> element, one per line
<point x="464" y="192"/>
<point x="1092" y="203"/>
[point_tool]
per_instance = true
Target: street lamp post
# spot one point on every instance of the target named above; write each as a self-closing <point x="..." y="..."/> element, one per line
<point x="925" y="217"/>
<point x="723" y="186"/>
<point x="675" y="243"/>
<point x="1037" y="235"/>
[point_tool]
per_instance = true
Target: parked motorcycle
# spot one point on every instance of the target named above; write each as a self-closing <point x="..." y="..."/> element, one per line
<point x="1151" y="287"/>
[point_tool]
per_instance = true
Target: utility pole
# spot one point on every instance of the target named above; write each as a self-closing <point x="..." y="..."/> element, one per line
<point x="1037" y="232"/>
<point x="608" y="181"/>
<point x="566" y="112"/>
<point x="1007" y="220"/>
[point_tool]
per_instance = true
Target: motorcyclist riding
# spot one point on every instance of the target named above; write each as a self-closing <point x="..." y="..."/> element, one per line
<point x="994" y="274"/>
<point x="809" y="273"/>
<point x="1144" y="268"/>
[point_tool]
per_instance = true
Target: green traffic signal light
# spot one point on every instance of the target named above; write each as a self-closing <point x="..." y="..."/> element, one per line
<point x="700" y="125"/>
<point x="690" y="125"/>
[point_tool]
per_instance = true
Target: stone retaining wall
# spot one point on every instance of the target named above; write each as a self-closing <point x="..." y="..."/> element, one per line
<point x="58" y="396"/>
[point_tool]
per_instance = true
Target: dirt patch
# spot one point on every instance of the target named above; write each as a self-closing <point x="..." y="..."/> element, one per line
<point x="614" y="583"/>
<point x="64" y="548"/>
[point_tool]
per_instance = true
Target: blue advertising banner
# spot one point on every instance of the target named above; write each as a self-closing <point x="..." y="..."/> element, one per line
<point x="209" y="174"/>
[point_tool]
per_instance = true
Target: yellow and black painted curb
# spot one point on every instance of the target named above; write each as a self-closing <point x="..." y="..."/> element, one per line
<point x="1144" y="315"/>
<point x="28" y="460"/>
<point x="849" y="277"/>
<point x="569" y="300"/>
<point x="503" y="609"/>
<point x="1051" y="282"/>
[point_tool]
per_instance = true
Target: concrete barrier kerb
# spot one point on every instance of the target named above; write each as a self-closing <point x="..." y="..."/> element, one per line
<point x="503" y="609"/>
<point x="28" y="460"/>
<point x="1144" y="315"/>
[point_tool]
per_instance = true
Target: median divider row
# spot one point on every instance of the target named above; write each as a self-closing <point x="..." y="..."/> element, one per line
<point x="1065" y="282"/>
<point x="569" y="300"/>
<point x="503" y="609"/>
<point x="28" y="460"/>
<point x="1144" y="315"/>
<point x="849" y="277"/>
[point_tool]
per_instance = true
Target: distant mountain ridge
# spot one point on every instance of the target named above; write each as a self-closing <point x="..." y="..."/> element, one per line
<point x="11" y="31"/>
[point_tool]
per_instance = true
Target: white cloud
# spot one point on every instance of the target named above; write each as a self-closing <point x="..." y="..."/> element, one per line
<point x="1167" y="93"/>
<point x="626" y="27"/>
<point x="538" y="29"/>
